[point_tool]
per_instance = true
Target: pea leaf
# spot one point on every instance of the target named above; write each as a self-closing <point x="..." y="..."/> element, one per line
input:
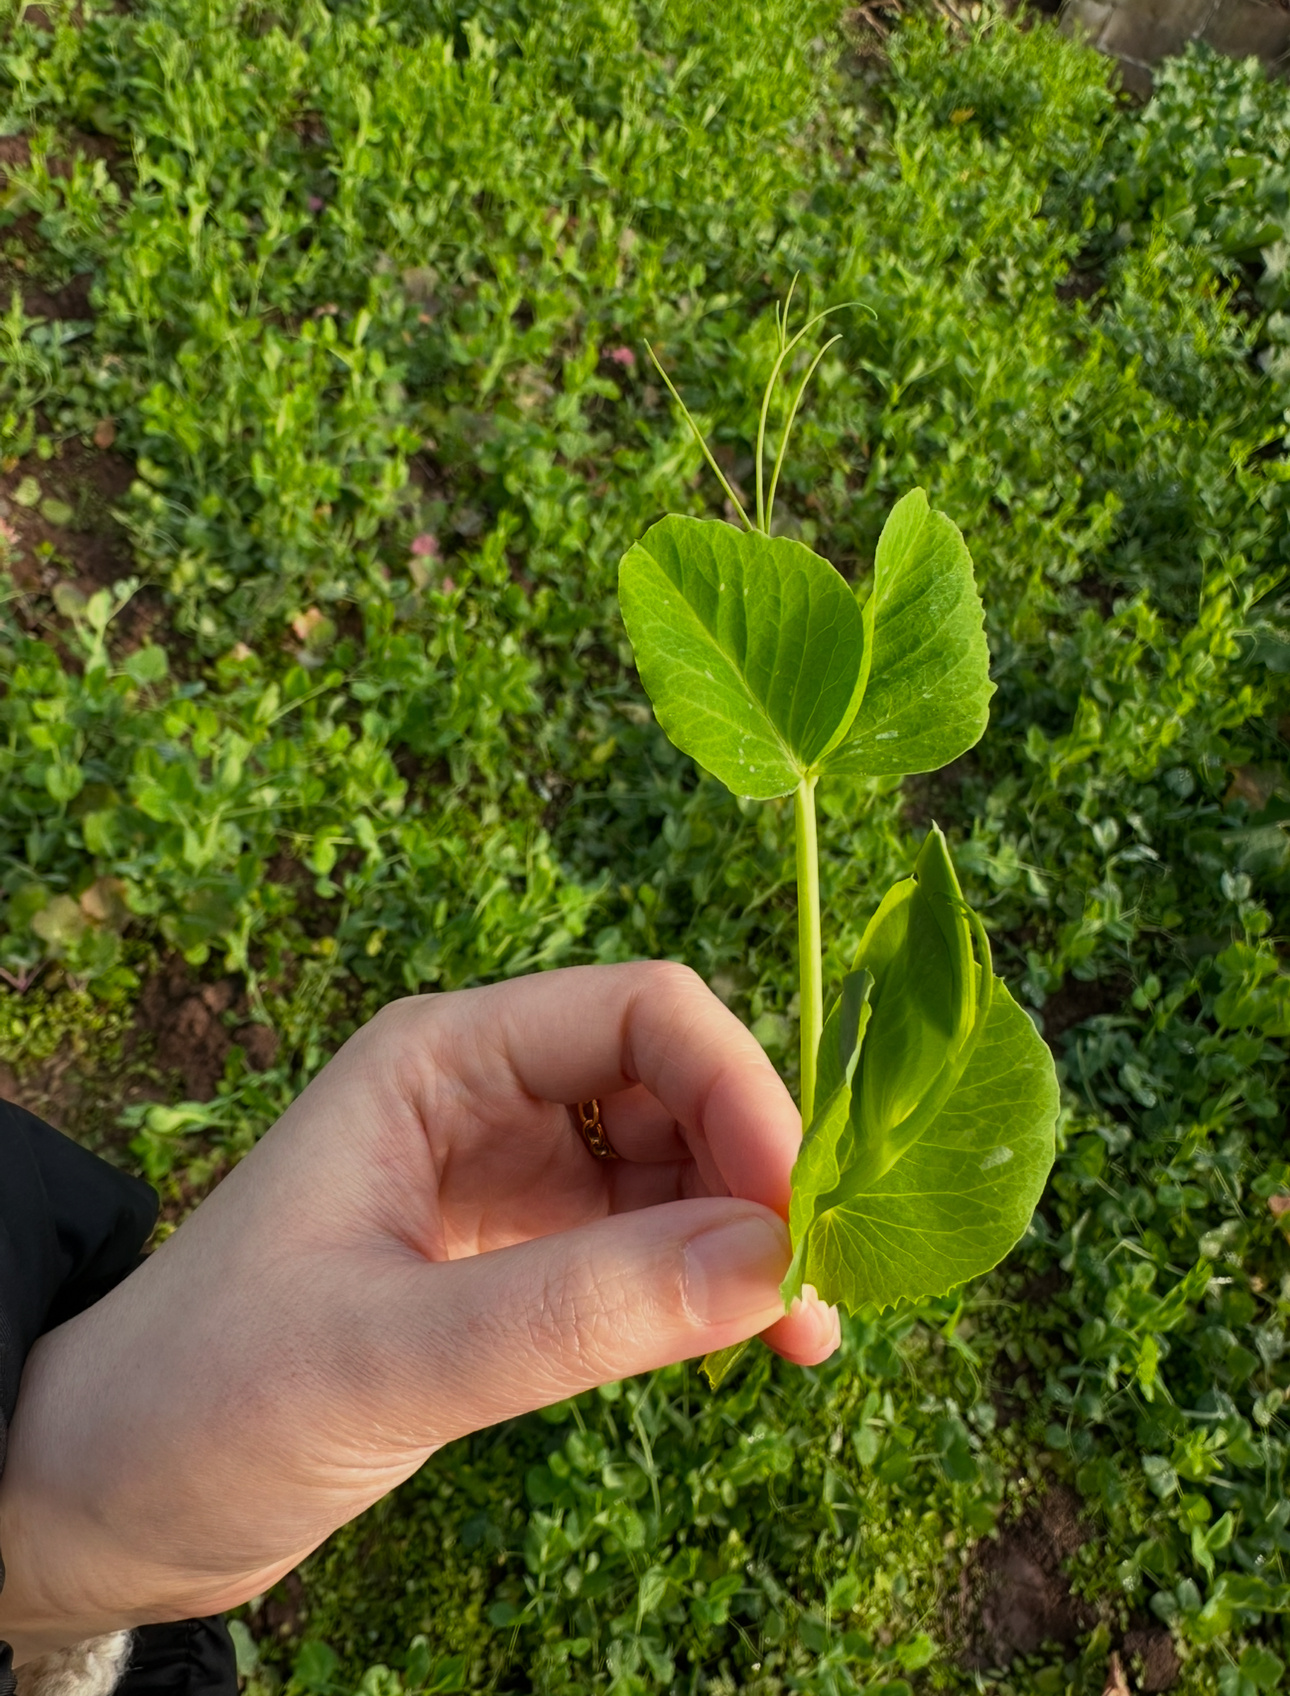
<point x="928" y="665"/>
<point x="717" y="1366"/>
<point x="924" y="980"/>
<point x="953" y="1201"/>
<point x="930" y="999"/>
<point x="750" y="647"/>
<point x="843" y="1035"/>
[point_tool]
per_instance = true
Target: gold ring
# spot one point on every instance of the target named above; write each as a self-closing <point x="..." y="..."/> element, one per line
<point x="586" y="1116"/>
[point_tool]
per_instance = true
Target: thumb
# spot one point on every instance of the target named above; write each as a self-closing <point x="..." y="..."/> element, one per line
<point x="521" y="1327"/>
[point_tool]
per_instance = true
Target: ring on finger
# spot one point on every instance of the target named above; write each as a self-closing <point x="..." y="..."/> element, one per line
<point x="590" y="1127"/>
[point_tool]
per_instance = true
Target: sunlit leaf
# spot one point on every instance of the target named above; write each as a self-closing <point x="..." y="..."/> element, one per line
<point x="929" y="688"/>
<point x="953" y="1201"/>
<point x="750" y="648"/>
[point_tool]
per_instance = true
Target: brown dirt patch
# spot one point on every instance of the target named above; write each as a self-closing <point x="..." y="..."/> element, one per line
<point x="86" y="145"/>
<point x="88" y="551"/>
<point x="15" y="150"/>
<point x="1151" y="1658"/>
<point x="260" y="1044"/>
<point x="192" y="1025"/>
<point x="934" y="797"/>
<point x="1079" y="285"/>
<point x="1102" y="594"/>
<point x="175" y="1048"/>
<point x="81" y="1090"/>
<point x="42" y="298"/>
<point x="88" y="480"/>
<point x="315" y="914"/>
<point x="1013" y="1596"/>
<point x="1038" y="1291"/>
<point x="27" y="255"/>
<point x="69" y="303"/>
<point x="1009" y="1409"/>
<point x="184" y="1020"/>
<point x="1079" y="999"/>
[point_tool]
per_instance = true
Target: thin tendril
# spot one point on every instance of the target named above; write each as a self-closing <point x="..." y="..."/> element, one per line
<point x="786" y="348"/>
<point x="765" y="507"/>
<point x="781" y="328"/>
<point x="707" y="454"/>
<point x="788" y="425"/>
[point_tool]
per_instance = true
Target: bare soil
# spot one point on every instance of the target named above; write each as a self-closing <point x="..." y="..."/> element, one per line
<point x="184" y="1019"/>
<point x="91" y="551"/>
<point x="80" y="1095"/>
<point x="934" y="797"/>
<point x="1014" y="1596"/>
<point x="1079" y="999"/>
<point x="1151" y="1658"/>
<point x="175" y="1049"/>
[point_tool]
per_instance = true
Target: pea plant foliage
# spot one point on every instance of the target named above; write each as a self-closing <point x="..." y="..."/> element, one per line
<point x="928" y="1098"/>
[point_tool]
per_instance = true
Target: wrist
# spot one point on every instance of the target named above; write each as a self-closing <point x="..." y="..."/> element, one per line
<point x="30" y="1626"/>
<point x="66" y="1576"/>
<point x="108" y="1517"/>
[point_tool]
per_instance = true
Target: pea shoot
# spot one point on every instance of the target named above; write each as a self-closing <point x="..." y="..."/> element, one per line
<point x="928" y="1098"/>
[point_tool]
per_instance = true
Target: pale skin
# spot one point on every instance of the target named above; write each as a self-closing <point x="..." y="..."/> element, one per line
<point x="420" y="1247"/>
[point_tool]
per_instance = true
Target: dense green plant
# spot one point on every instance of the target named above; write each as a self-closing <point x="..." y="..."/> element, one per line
<point x="400" y="265"/>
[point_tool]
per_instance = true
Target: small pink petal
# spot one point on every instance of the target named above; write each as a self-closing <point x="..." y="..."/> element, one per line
<point x="623" y="356"/>
<point x="447" y="585"/>
<point x="425" y="546"/>
<point x="316" y="203"/>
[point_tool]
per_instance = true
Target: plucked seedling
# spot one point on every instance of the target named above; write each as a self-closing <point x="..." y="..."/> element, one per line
<point x="928" y="1098"/>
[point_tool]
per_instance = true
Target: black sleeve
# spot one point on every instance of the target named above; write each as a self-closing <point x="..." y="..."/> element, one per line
<point x="71" y="1227"/>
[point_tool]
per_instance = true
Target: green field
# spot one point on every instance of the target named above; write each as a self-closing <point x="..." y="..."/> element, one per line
<point x="325" y="416"/>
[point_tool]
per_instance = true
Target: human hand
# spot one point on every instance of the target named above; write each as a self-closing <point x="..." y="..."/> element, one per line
<point x="421" y="1246"/>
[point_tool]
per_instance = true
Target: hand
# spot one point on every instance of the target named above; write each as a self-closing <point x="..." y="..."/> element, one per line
<point x="421" y="1246"/>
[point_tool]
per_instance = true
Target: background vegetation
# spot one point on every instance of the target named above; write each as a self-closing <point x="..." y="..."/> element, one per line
<point x="325" y="416"/>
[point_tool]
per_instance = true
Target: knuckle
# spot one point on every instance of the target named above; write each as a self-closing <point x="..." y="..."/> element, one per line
<point x="400" y="1031"/>
<point x="672" y="978"/>
<point x="394" y="1018"/>
<point x="575" y="1322"/>
<point x="391" y="1058"/>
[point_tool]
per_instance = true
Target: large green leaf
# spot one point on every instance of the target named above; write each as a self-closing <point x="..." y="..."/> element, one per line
<point x="929" y="687"/>
<point x="750" y="648"/>
<point x="953" y="1201"/>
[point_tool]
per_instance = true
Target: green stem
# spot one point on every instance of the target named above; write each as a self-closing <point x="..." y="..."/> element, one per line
<point x="810" y="966"/>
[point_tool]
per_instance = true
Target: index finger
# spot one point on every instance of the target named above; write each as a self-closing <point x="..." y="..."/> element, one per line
<point x="586" y="1031"/>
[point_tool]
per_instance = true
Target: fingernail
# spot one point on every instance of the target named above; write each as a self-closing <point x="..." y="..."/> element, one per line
<point x="733" y="1272"/>
<point x="830" y="1326"/>
<point x="828" y="1323"/>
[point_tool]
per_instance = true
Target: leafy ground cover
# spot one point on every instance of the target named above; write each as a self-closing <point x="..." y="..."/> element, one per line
<point x="325" y="419"/>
